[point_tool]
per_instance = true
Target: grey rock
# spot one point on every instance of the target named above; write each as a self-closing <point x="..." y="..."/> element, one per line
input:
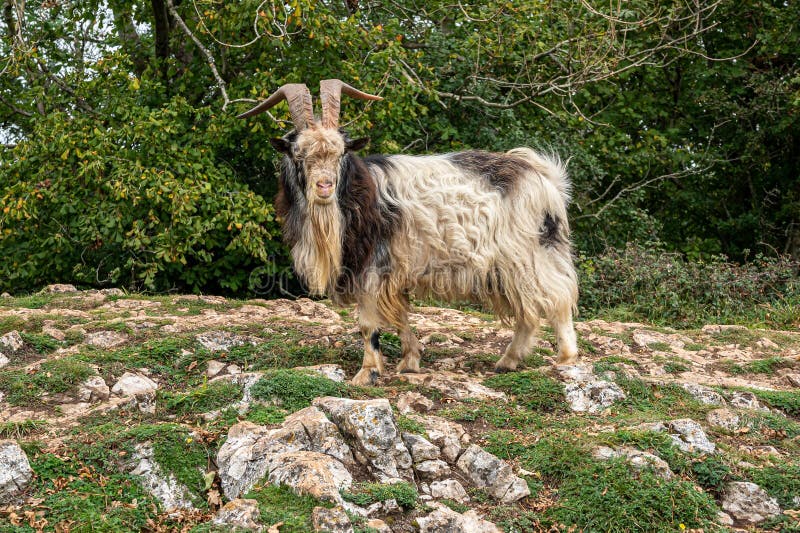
<point x="379" y="525"/>
<point x="420" y="448"/>
<point x="638" y="459"/>
<point x="59" y="288"/>
<point x="435" y="469"/>
<point x="409" y="402"/>
<point x="214" y="367"/>
<point x="310" y="473"/>
<point x="748" y="502"/>
<point x="723" y="418"/>
<point x="11" y="341"/>
<point x="488" y="472"/>
<point x="792" y="379"/>
<point x="454" y="385"/>
<point x="592" y="396"/>
<point x="689" y="436"/>
<point x="163" y="486"/>
<point x="445" y="520"/>
<point x="105" y="339"/>
<point x="724" y="519"/>
<point x="747" y="400"/>
<point x="334" y="520"/>
<point x="448" y="489"/>
<point x="93" y="390"/>
<point x="703" y="394"/>
<point x="371" y="426"/>
<point x="449" y="436"/>
<point x="332" y="372"/>
<point x="15" y="471"/>
<point x="131" y="384"/>
<point x="220" y="341"/>
<point x="239" y="513"/>
<point x="4" y="360"/>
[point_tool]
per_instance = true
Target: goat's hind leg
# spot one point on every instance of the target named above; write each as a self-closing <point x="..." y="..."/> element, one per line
<point x="411" y="350"/>
<point x="564" y="329"/>
<point x="524" y="333"/>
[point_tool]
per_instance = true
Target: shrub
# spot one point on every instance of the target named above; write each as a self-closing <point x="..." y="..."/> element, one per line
<point x="532" y="389"/>
<point x="295" y="389"/>
<point x="365" y="494"/>
<point x="664" y="288"/>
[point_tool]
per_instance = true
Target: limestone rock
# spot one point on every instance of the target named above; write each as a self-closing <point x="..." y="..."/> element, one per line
<point x="748" y="502"/>
<point x="332" y="372"/>
<point x="379" y="525"/>
<point x="334" y="520"/>
<point x="221" y="341"/>
<point x="242" y="459"/>
<point x="592" y="396"/>
<point x="724" y="519"/>
<point x="323" y="435"/>
<point x="703" y="394"/>
<point x="724" y="418"/>
<point x="131" y="384"/>
<point x="449" y="436"/>
<point x="163" y="486"/>
<point x="747" y="400"/>
<point x="644" y="338"/>
<point x="445" y="520"/>
<point x="3" y="360"/>
<point x="767" y="344"/>
<point x="93" y="390"/>
<point x="409" y="402"/>
<point x="15" y="471"/>
<point x="448" y="489"/>
<point x="371" y="425"/>
<point x="11" y="341"/>
<point x="105" y="339"/>
<point x="435" y="469"/>
<point x="311" y="473"/>
<point x="421" y="449"/>
<point x="214" y="367"/>
<point x="791" y="379"/>
<point x="638" y="459"/>
<point x="488" y="472"/>
<point x="454" y="385"/>
<point x="59" y="288"/>
<point x="689" y="436"/>
<point x="239" y="513"/>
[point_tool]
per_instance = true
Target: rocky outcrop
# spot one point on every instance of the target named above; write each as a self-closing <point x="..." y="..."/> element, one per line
<point x="585" y="392"/>
<point x="492" y="474"/>
<point x="239" y="513"/>
<point x="334" y="520"/>
<point x="310" y="473"/>
<point x="162" y="485"/>
<point x="748" y="502"/>
<point x="638" y="459"/>
<point x="371" y="426"/>
<point x="15" y="471"/>
<point x="445" y="520"/>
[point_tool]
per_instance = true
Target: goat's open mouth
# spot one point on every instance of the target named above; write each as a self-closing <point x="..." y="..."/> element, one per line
<point x="324" y="189"/>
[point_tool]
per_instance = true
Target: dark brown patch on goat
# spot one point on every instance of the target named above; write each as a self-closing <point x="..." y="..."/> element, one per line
<point x="551" y="231"/>
<point x="502" y="171"/>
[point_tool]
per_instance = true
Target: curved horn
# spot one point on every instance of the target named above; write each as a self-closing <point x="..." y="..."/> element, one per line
<point x="330" y="92"/>
<point x="297" y="96"/>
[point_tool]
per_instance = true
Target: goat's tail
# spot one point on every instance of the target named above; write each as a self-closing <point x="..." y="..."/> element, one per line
<point x="550" y="166"/>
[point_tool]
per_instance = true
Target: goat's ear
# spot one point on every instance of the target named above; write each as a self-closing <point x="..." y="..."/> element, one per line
<point x="281" y="145"/>
<point x="357" y="144"/>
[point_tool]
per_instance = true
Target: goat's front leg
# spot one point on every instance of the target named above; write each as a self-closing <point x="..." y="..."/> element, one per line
<point x="372" y="366"/>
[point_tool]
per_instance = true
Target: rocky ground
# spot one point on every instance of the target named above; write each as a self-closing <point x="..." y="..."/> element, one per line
<point x="195" y="413"/>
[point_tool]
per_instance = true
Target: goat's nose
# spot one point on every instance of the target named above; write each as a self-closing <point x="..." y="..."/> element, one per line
<point x="324" y="187"/>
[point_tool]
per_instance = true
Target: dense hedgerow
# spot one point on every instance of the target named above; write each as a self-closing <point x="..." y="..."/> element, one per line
<point x="648" y="284"/>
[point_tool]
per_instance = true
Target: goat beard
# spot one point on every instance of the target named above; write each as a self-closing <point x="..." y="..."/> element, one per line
<point x="318" y="253"/>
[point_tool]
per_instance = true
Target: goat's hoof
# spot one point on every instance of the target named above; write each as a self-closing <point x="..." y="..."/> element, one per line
<point x="567" y="359"/>
<point x="366" y="377"/>
<point x="504" y="369"/>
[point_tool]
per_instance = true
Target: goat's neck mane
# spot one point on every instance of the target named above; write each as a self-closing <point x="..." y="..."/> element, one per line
<point x="334" y="244"/>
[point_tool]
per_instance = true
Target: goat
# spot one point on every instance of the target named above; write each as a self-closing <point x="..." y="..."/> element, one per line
<point x="474" y="225"/>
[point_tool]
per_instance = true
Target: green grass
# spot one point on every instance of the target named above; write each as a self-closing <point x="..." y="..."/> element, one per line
<point x="767" y="365"/>
<point x="781" y="481"/>
<point x="18" y="430"/>
<point x="280" y="504"/>
<point x="408" y="425"/>
<point x="41" y="344"/>
<point x="54" y="376"/>
<point x="532" y="389"/>
<point x="207" y="397"/>
<point x="498" y="414"/>
<point x="365" y="494"/>
<point x="651" y="401"/>
<point x="294" y="389"/>
<point x="786" y="401"/>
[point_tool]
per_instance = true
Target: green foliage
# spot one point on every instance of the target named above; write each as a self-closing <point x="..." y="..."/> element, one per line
<point x="608" y="497"/>
<point x="41" y="343"/>
<point x="206" y="397"/>
<point x="53" y="376"/>
<point x="294" y="389"/>
<point x="780" y="481"/>
<point x="786" y="401"/>
<point x="408" y="425"/>
<point x="280" y="504"/>
<point x="710" y="472"/>
<point x="767" y="365"/>
<point x="658" y="400"/>
<point x="665" y="288"/>
<point x="532" y="389"/>
<point x="365" y="494"/>
<point x="18" y="430"/>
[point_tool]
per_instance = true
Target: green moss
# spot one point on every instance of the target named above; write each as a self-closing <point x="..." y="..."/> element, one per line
<point x="294" y="389"/>
<point x="266" y="414"/>
<point x="41" y="344"/>
<point x="609" y="497"/>
<point x="532" y="389"/>
<point x="365" y="494"/>
<point x="780" y="481"/>
<point x="54" y="376"/>
<point x="408" y="425"/>
<point x="280" y="504"/>
<point x="649" y="401"/>
<point x="207" y="397"/>
<point x="786" y="401"/>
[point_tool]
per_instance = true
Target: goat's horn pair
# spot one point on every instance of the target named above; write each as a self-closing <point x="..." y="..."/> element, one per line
<point x="301" y="107"/>
<point x="330" y="93"/>
<point x="297" y="96"/>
